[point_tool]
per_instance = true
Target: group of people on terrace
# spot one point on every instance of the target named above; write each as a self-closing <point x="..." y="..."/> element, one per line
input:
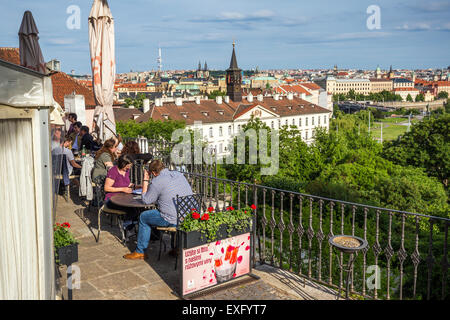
<point x="114" y="160"/>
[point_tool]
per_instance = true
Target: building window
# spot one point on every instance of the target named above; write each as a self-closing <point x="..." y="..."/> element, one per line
<point x="306" y="135"/>
<point x="299" y="122"/>
<point x="272" y="125"/>
<point x="325" y="119"/>
<point x="312" y="120"/>
<point x="306" y="121"/>
<point x="287" y="122"/>
<point x="229" y="130"/>
<point x="220" y="148"/>
<point x="318" y="120"/>
<point x="210" y="132"/>
<point x="220" y="131"/>
<point x="293" y="121"/>
<point x="239" y="127"/>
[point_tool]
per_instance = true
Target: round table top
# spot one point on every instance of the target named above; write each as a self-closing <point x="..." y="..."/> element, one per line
<point x="129" y="200"/>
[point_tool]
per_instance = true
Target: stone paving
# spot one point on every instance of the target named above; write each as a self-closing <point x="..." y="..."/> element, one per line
<point x="105" y="275"/>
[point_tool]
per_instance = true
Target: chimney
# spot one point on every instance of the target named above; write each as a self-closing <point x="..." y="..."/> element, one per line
<point x="157" y="102"/>
<point x="178" y="102"/>
<point x="219" y="99"/>
<point x="227" y="99"/>
<point x="197" y="100"/>
<point x="276" y="97"/>
<point x="259" y="97"/>
<point x="290" y="96"/>
<point x="302" y="96"/>
<point x="250" y="97"/>
<point x="146" y="105"/>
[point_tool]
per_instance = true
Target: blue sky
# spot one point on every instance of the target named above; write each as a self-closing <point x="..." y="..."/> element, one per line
<point x="270" y="34"/>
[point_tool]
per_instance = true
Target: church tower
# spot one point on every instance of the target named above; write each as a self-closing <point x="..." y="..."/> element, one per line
<point x="234" y="79"/>
<point x="199" y="73"/>
<point x="205" y="71"/>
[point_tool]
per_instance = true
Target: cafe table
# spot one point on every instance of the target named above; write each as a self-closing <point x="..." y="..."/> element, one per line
<point x="130" y="200"/>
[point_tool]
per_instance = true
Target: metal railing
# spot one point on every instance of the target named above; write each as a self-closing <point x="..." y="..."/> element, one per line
<point x="409" y="250"/>
<point x="407" y="255"/>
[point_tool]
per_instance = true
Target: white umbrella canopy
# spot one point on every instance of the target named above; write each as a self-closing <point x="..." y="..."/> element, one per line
<point x="30" y="52"/>
<point x="101" y="43"/>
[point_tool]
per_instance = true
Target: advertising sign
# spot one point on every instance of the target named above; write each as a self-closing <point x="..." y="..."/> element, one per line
<point x="215" y="262"/>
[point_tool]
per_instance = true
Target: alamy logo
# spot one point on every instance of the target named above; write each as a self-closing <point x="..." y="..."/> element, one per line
<point x="73" y="277"/>
<point x="374" y="20"/>
<point x="374" y="280"/>
<point x="73" y="22"/>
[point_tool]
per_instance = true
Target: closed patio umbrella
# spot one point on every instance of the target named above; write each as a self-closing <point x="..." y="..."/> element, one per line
<point x="101" y="43"/>
<point x="30" y="51"/>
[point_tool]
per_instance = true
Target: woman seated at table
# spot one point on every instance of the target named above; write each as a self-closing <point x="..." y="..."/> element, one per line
<point x="118" y="181"/>
<point x="104" y="158"/>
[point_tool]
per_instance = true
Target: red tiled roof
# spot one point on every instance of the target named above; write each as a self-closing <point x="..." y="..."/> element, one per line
<point x="124" y="114"/>
<point x="311" y="86"/>
<point x="443" y="83"/>
<point x="208" y="111"/>
<point x="293" y="88"/>
<point x="63" y="85"/>
<point x="10" y="55"/>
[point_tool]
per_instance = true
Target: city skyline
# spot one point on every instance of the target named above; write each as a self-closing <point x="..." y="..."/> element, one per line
<point x="288" y="36"/>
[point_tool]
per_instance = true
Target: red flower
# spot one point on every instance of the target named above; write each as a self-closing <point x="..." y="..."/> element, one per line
<point x="205" y="217"/>
<point x="231" y="208"/>
<point x="210" y="209"/>
<point x="253" y="207"/>
<point x="195" y="215"/>
<point x="66" y="225"/>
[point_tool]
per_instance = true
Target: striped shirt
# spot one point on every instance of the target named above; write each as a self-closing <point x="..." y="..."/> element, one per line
<point x="163" y="191"/>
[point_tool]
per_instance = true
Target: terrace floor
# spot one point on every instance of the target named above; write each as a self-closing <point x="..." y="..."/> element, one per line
<point x="106" y="275"/>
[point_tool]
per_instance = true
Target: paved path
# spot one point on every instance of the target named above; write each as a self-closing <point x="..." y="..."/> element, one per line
<point x="106" y="275"/>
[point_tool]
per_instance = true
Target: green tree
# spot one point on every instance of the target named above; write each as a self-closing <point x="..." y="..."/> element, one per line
<point x="442" y="95"/>
<point x="409" y="98"/>
<point x="152" y="129"/>
<point x="216" y="93"/>
<point x="420" y="97"/>
<point x="427" y="146"/>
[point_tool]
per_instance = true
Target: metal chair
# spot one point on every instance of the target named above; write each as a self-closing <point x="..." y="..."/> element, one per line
<point x="184" y="206"/>
<point x="103" y="208"/>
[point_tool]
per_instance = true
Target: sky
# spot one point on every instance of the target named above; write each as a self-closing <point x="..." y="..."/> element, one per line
<point x="283" y="34"/>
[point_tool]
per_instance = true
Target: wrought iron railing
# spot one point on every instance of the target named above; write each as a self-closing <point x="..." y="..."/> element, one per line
<point x="409" y="250"/>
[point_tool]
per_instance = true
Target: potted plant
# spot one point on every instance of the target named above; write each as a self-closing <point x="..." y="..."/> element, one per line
<point x="200" y="228"/>
<point x="66" y="246"/>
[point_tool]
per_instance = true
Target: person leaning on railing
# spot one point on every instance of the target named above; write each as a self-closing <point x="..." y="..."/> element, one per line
<point x="163" y="190"/>
<point x="104" y="158"/>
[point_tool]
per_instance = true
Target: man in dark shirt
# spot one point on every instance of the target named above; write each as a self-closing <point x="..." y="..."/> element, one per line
<point x="86" y="139"/>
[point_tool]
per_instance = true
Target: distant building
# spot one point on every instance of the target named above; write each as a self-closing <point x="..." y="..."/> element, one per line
<point x="336" y="86"/>
<point x="378" y="85"/>
<point x="402" y="83"/>
<point x="404" y="92"/>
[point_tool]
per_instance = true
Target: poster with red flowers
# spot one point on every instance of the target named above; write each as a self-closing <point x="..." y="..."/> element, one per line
<point x="215" y="262"/>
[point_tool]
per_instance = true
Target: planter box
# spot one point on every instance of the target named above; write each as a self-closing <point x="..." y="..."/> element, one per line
<point x="196" y="238"/>
<point x="68" y="254"/>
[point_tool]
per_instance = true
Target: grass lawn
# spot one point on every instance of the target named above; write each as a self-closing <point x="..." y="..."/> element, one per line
<point x="390" y="131"/>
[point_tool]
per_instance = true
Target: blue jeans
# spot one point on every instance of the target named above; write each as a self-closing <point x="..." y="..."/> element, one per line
<point x="148" y="219"/>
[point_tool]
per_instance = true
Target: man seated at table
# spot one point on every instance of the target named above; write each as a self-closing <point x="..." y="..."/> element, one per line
<point x="163" y="190"/>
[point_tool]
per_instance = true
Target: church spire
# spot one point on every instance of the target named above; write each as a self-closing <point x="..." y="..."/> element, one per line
<point x="234" y="79"/>
<point x="233" y="62"/>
